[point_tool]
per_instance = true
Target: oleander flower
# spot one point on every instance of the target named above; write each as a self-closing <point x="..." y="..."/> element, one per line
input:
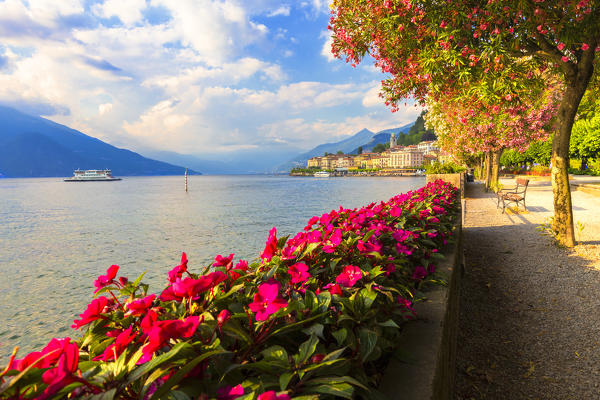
<point x="267" y="301"/>
<point x="349" y="276"/>
<point x="419" y="273"/>
<point x="105" y="280"/>
<point x="226" y="262"/>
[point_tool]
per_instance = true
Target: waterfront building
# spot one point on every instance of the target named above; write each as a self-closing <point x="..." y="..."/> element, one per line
<point x="393" y="141"/>
<point x="407" y="157"/>
<point x="328" y="162"/>
<point x="428" y="147"/>
<point x="345" y="161"/>
<point x="314" y="162"/>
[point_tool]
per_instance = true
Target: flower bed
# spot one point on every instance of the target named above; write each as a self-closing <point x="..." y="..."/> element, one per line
<point x="314" y="317"/>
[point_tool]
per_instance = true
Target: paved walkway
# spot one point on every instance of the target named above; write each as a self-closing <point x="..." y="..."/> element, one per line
<point x="530" y="310"/>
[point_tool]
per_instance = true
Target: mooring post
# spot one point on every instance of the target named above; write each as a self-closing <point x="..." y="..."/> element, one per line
<point x="186" y="187"/>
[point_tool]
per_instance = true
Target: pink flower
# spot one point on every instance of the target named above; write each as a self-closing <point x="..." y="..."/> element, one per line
<point x="178" y="271"/>
<point x="403" y="249"/>
<point x="52" y="352"/>
<point x="271" y="395"/>
<point x="59" y="377"/>
<point x="229" y="393"/>
<point x="226" y="262"/>
<point x="267" y="301"/>
<point x="372" y="246"/>
<point x="333" y="288"/>
<point x="443" y="24"/>
<point x="105" y="280"/>
<point x="271" y="246"/>
<point x="349" y="276"/>
<point x="419" y="273"/>
<point x="139" y="306"/>
<point x="163" y="331"/>
<point x="334" y="241"/>
<point x="93" y="312"/>
<point x="120" y="344"/>
<point x="565" y="59"/>
<point x="190" y="287"/>
<point x="585" y="46"/>
<point x="311" y="222"/>
<point x="242" y="265"/>
<point x="223" y="317"/>
<point x="299" y="273"/>
<point x="560" y="46"/>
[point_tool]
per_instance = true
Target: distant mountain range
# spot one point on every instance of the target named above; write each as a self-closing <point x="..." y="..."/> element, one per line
<point x="364" y="138"/>
<point x="36" y="147"/>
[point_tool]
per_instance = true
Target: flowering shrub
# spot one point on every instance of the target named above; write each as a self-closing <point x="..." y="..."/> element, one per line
<point x="312" y="317"/>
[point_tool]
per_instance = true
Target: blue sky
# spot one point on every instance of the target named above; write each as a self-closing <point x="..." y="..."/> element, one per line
<point x="201" y="77"/>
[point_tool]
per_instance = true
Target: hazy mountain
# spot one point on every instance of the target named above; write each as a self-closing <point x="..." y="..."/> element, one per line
<point x="364" y="138"/>
<point x="36" y="147"/>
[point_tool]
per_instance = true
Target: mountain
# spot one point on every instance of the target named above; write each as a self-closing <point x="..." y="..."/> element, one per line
<point x="364" y="138"/>
<point x="36" y="147"/>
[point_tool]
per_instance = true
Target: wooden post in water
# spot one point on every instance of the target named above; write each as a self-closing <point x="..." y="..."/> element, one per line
<point x="186" y="189"/>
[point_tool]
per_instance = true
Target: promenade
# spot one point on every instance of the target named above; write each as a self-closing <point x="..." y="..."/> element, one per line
<point x="529" y="309"/>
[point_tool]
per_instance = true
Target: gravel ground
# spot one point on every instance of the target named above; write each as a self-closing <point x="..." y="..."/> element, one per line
<point x="530" y="310"/>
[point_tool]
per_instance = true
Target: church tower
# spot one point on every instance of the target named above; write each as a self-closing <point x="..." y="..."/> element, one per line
<point x="393" y="141"/>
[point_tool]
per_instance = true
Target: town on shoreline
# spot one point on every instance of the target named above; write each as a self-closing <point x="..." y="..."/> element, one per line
<point x="395" y="161"/>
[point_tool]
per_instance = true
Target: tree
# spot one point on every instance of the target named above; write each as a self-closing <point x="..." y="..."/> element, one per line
<point x="585" y="142"/>
<point x="340" y="153"/>
<point x="326" y="154"/>
<point x="381" y="147"/>
<point x="359" y="150"/>
<point x="501" y="50"/>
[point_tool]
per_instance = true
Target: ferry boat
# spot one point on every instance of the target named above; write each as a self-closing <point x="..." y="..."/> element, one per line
<point x="90" y="175"/>
<point x="322" y="174"/>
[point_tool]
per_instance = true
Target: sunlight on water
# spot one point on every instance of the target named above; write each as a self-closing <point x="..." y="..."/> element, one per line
<point x="57" y="237"/>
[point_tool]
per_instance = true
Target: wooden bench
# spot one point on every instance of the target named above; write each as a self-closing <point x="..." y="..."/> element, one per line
<point x="513" y="195"/>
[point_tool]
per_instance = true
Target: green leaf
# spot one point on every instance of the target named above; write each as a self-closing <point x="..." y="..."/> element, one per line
<point x="316" y="329"/>
<point x="343" y="390"/>
<point x="324" y="299"/>
<point x="340" y="335"/>
<point x="284" y="379"/>
<point x="108" y="395"/>
<point x="183" y="371"/>
<point x="156" y="362"/>
<point x="306" y="350"/>
<point x="139" y="279"/>
<point x="275" y="353"/>
<point x="368" y="341"/>
<point x="389" y="324"/>
<point x="310" y="300"/>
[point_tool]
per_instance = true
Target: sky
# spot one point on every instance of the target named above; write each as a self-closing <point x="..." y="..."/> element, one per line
<point x="200" y="77"/>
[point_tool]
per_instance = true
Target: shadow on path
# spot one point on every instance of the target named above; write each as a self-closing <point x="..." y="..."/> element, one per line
<point x="529" y="324"/>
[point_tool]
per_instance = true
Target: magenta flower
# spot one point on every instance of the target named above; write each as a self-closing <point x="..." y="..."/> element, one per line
<point x="334" y="241"/>
<point x="314" y="236"/>
<point x="333" y="288"/>
<point x="59" y="377"/>
<point x="52" y="352"/>
<point x="267" y="301"/>
<point x="271" y="246"/>
<point x="419" y="273"/>
<point x="229" y="393"/>
<point x="372" y="246"/>
<point x="140" y="306"/>
<point x="178" y="271"/>
<point x="403" y="249"/>
<point x="163" y="331"/>
<point x="190" y="288"/>
<point x="93" y="312"/>
<point x="226" y="262"/>
<point x="242" y="265"/>
<point x="223" y="317"/>
<point x="271" y="395"/>
<point x="299" y="273"/>
<point x="311" y="222"/>
<point x="105" y="280"/>
<point x="349" y="276"/>
<point x="119" y="345"/>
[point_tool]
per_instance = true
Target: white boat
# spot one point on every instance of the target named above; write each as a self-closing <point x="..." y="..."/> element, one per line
<point x="90" y="175"/>
<point x="322" y="174"/>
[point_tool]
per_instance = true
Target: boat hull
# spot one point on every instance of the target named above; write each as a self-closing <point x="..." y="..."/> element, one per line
<point x="91" y="180"/>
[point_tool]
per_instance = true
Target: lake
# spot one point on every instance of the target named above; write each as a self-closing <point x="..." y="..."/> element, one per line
<point x="57" y="237"/>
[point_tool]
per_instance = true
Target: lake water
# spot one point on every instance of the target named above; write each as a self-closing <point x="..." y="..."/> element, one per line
<point x="57" y="237"/>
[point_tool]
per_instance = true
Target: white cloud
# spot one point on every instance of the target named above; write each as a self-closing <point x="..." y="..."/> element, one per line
<point x="283" y="10"/>
<point x="371" y="98"/>
<point x="104" y="108"/>
<point x="326" y="49"/>
<point x="129" y="11"/>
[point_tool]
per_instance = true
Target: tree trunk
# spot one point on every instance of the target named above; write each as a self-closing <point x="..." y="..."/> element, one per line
<point x="562" y="224"/>
<point x="495" y="168"/>
<point x="488" y="170"/>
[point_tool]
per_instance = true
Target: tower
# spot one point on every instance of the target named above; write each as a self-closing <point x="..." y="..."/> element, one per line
<point x="393" y="141"/>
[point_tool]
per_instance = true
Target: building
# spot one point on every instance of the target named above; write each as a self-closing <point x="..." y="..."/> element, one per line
<point x="407" y="157"/>
<point x="427" y="147"/>
<point x="393" y="141"/>
<point x="328" y="162"/>
<point x="345" y="161"/>
<point x="314" y="162"/>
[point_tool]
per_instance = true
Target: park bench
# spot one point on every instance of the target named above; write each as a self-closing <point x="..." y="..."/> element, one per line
<point x="513" y="195"/>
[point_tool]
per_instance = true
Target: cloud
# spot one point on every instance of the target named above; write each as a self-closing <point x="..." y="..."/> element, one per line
<point x="326" y="49"/>
<point x="129" y="11"/>
<point x="104" y="108"/>
<point x="371" y="98"/>
<point x="283" y="10"/>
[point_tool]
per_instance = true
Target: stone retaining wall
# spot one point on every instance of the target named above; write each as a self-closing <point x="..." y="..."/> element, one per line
<point x="424" y="364"/>
<point x="457" y="180"/>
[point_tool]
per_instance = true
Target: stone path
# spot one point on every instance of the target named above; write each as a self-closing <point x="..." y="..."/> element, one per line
<point x="530" y="310"/>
